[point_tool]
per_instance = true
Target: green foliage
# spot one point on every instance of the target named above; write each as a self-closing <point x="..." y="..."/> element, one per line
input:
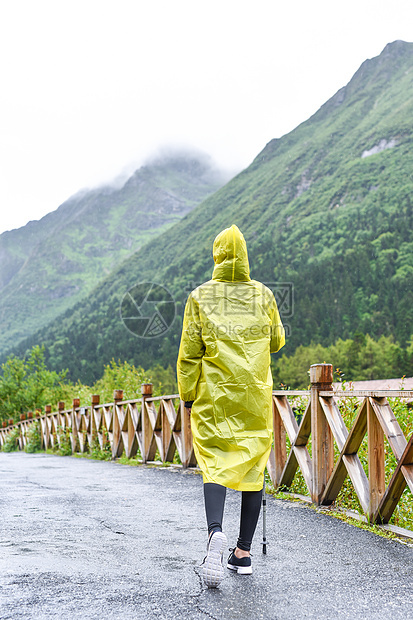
<point x="34" y="438"/>
<point x="163" y="379"/>
<point x="120" y="375"/>
<point x="63" y="445"/>
<point x="11" y="442"/>
<point x="27" y="384"/>
<point x="136" y="460"/>
<point x="359" y="358"/>
<point x="104" y="453"/>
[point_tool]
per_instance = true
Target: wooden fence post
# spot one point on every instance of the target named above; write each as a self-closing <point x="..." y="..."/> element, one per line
<point x="75" y="405"/>
<point x="321" y="377"/>
<point x="280" y="444"/>
<point x="186" y="433"/>
<point x="60" y="426"/>
<point x="93" y="428"/>
<point x="116" y="436"/>
<point x="146" y="391"/>
<point x="57" y="433"/>
<point x="376" y="461"/>
<point x="60" y="409"/>
<point x="46" y="434"/>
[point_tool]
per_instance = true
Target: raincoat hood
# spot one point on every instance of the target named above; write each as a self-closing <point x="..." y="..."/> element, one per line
<point x="231" y="256"/>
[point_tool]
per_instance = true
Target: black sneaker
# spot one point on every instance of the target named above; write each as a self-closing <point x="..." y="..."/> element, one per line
<point x="241" y="565"/>
<point x="212" y="568"/>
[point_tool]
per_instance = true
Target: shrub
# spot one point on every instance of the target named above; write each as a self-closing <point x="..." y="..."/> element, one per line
<point x="34" y="438"/>
<point x="103" y="454"/>
<point x="64" y="447"/>
<point x="11" y="442"/>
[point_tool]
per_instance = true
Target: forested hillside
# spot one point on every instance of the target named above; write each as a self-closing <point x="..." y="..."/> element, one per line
<point x="49" y="265"/>
<point x="326" y="208"/>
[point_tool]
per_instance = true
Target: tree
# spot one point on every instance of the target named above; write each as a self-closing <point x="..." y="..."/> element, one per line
<point x="27" y="384"/>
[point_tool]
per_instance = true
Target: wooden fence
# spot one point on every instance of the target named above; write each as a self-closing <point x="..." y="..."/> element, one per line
<point x="321" y="446"/>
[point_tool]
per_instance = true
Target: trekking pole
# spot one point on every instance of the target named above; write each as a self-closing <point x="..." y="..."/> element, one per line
<point x="264" y="521"/>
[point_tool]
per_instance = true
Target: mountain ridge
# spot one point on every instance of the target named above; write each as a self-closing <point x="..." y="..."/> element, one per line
<point x="61" y="256"/>
<point x="315" y="214"/>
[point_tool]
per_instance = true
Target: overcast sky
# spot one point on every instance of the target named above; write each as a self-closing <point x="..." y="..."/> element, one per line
<point x="91" y="88"/>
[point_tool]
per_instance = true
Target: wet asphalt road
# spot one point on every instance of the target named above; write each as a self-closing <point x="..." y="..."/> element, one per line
<point x="89" y="539"/>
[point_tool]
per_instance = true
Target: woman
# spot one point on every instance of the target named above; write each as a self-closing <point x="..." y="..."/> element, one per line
<point x="231" y="325"/>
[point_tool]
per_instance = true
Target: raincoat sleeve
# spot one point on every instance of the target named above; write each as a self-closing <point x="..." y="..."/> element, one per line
<point x="191" y="352"/>
<point x="277" y="329"/>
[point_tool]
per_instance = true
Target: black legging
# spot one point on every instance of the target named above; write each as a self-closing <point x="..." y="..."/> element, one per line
<point x="214" y="495"/>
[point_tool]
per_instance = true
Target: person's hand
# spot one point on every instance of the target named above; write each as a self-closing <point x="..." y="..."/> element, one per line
<point x="188" y="405"/>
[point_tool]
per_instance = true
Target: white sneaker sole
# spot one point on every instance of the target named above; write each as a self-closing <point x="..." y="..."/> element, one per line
<point x="213" y="571"/>
<point x="241" y="570"/>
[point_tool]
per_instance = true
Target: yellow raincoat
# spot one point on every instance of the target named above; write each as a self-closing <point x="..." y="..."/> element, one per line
<point x="231" y="324"/>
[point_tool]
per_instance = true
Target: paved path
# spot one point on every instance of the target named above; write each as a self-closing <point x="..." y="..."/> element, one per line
<point x="98" y="540"/>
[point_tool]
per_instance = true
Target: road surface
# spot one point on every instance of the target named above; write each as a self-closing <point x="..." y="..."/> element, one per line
<point x="99" y="540"/>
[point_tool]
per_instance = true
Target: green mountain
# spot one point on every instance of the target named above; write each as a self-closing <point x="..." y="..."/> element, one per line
<point x="326" y="211"/>
<point x="50" y="265"/>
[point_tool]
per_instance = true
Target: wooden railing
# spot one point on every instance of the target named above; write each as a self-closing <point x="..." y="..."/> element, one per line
<point x="148" y="426"/>
<point x="160" y="427"/>
<point x="324" y="474"/>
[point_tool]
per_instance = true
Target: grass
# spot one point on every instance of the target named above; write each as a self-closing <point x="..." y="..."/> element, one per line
<point x="11" y="443"/>
<point x="341" y="514"/>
